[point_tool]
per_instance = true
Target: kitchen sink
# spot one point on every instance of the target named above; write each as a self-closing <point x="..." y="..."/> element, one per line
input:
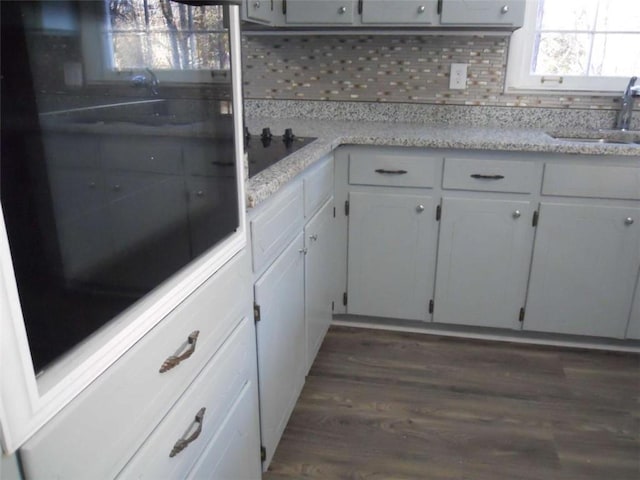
<point x="617" y="137"/>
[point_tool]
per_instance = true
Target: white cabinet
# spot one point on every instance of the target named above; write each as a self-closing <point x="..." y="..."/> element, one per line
<point x="392" y="244"/>
<point x="633" y="329"/>
<point x="409" y="12"/>
<point x="281" y="342"/>
<point x="109" y="421"/>
<point x="483" y="12"/>
<point x="505" y="14"/>
<point x="585" y="266"/>
<point x="483" y="261"/>
<point x="319" y="269"/>
<point x="333" y="12"/>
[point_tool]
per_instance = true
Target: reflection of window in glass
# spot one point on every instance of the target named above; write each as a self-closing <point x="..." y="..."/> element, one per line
<point x="587" y="37"/>
<point x="165" y="35"/>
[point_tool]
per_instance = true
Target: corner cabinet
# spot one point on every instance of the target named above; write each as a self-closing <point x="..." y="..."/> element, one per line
<point x="502" y="15"/>
<point x="293" y="241"/>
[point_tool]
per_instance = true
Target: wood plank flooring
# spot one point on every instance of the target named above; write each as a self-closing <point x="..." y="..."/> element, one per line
<point x="387" y="405"/>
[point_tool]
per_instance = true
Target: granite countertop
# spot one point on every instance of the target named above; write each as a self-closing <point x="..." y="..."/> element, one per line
<point x="331" y="134"/>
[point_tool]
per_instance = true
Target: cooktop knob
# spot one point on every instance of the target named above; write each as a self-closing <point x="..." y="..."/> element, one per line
<point x="266" y="133"/>
<point x="288" y="135"/>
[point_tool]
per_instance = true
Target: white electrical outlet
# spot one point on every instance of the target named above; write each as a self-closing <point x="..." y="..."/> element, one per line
<point x="458" y="76"/>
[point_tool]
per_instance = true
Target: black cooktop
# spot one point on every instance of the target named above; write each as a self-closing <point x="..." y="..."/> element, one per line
<point x="266" y="148"/>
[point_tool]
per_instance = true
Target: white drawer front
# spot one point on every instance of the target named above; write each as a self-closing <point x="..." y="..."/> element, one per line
<point x="489" y="175"/>
<point x="231" y="454"/>
<point x="400" y="169"/>
<point x="275" y="227"/>
<point x="215" y="390"/>
<point x="592" y="181"/>
<point x="97" y="433"/>
<point x="318" y="186"/>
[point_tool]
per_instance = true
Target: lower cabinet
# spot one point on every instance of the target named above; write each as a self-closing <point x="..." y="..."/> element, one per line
<point x="483" y="261"/>
<point x="175" y="389"/>
<point x="585" y="266"/>
<point x="281" y="342"/>
<point x="392" y="245"/>
<point x="319" y="269"/>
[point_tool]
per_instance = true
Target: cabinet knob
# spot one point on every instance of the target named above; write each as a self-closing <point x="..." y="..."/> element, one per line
<point x="256" y="5"/>
<point x="504" y="9"/>
<point x="92" y="184"/>
<point x="151" y="157"/>
<point x="516" y="214"/>
<point x="200" y="193"/>
<point x="116" y="188"/>
<point x="303" y="251"/>
<point x="420" y="208"/>
<point x="421" y="9"/>
<point x="313" y="236"/>
<point x="342" y="10"/>
<point x="628" y="221"/>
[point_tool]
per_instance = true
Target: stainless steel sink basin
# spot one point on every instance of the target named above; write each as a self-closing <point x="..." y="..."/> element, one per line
<point x="617" y="137"/>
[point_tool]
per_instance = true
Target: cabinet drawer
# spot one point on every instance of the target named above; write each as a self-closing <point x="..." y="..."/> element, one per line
<point x="275" y="227"/>
<point x="318" y="186"/>
<point x="398" y="169"/>
<point x="229" y="454"/>
<point x="320" y="11"/>
<point x="592" y="181"/>
<point x="156" y="155"/>
<point x="488" y="175"/>
<point x="200" y="413"/>
<point x="70" y="150"/>
<point x="209" y="159"/>
<point x="107" y="422"/>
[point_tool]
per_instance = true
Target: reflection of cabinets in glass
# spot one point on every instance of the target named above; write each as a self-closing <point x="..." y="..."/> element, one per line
<point x="127" y="202"/>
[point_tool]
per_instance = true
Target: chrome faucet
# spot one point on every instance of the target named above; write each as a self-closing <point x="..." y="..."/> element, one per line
<point x="148" y="80"/>
<point x="626" y="109"/>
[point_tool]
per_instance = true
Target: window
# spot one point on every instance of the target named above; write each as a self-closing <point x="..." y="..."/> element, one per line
<point x="579" y="45"/>
<point x="177" y="42"/>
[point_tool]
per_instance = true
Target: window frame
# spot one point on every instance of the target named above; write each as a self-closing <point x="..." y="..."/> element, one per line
<point x="97" y="56"/>
<point x="520" y="80"/>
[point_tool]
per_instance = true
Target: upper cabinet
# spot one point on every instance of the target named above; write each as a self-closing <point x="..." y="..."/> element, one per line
<point x="482" y="12"/>
<point x="505" y="14"/>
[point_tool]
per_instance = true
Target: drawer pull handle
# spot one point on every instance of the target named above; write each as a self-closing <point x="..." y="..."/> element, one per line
<point x="391" y="172"/>
<point x="184" y="442"/>
<point x="487" y="177"/>
<point x="174" y="360"/>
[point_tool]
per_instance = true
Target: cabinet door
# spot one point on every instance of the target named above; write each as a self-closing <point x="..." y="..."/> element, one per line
<point x="585" y="265"/>
<point x="281" y="342"/>
<point x="421" y="12"/>
<point x="391" y="255"/>
<point x="633" y="330"/>
<point x="320" y="11"/>
<point x="319" y="277"/>
<point x="483" y="262"/>
<point x="482" y="12"/>
<point x="262" y="11"/>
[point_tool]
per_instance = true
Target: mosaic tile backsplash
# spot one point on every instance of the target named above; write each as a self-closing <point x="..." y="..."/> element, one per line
<point x="385" y="68"/>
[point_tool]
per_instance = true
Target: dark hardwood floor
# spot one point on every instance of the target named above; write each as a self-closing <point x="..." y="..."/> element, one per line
<point x="386" y="405"/>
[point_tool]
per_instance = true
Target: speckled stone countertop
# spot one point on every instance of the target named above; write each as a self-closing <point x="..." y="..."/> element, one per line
<point x="331" y="134"/>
